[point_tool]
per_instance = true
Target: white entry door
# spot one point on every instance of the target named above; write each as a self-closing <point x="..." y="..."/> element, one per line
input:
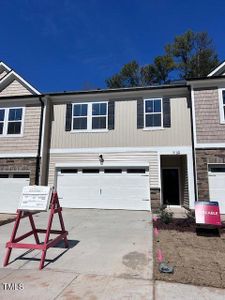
<point x="217" y="185"/>
<point x="11" y="186"/>
<point x="115" y="188"/>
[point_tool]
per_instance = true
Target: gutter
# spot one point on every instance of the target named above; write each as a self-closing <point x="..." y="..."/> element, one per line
<point x="38" y="158"/>
<point x="193" y="144"/>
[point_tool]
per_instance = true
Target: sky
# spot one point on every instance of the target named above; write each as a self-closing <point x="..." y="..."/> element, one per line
<point x="68" y="45"/>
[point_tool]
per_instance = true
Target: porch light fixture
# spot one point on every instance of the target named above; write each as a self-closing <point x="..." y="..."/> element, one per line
<point x="101" y="159"/>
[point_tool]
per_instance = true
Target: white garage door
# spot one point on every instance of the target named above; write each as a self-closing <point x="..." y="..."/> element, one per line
<point x="217" y="185"/>
<point x="11" y="186"/>
<point x="115" y="188"/>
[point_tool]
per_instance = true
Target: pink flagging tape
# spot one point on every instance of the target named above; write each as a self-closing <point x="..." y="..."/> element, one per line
<point x="156" y="232"/>
<point x="159" y="255"/>
<point x="154" y="218"/>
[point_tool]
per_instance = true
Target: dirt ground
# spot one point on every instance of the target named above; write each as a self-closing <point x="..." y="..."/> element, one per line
<point x="198" y="260"/>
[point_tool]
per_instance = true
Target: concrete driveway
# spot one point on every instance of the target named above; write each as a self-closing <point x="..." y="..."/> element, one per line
<point x="110" y="257"/>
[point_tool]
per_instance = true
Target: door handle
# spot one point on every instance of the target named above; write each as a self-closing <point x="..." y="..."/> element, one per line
<point x="100" y="191"/>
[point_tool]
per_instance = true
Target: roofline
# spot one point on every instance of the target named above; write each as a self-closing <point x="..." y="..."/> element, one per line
<point x="206" y="78"/>
<point x="216" y="69"/>
<point x="13" y="73"/>
<point x="116" y="90"/>
<point x="103" y="91"/>
<point x="5" y="66"/>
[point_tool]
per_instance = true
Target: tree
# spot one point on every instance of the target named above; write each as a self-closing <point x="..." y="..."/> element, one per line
<point x="189" y="55"/>
<point x="132" y="74"/>
<point x="129" y="76"/>
<point x="194" y="54"/>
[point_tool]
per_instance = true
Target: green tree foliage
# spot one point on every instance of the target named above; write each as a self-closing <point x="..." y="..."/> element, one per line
<point x="189" y="55"/>
<point x="193" y="53"/>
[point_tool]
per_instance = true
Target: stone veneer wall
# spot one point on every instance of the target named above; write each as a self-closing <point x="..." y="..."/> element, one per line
<point x="155" y="198"/>
<point x="203" y="158"/>
<point x="19" y="165"/>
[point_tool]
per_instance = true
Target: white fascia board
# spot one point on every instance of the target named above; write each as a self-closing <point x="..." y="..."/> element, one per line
<point x="162" y="150"/>
<point x="15" y="75"/>
<point x="209" y="145"/>
<point x="18" y="155"/>
<point x="217" y="69"/>
<point x="2" y="64"/>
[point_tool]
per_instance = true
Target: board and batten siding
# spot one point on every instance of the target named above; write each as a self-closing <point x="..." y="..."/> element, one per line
<point x="119" y="159"/>
<point x="28" y="142"/>
<point x="207" y="116"/>
<point x="15" y="88"/>
<point x="125" y="133"/>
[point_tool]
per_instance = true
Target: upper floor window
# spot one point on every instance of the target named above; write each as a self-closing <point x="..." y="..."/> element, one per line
<point x="153" y="113"/>
<point x="222" y="105"/>
<point x="90" y="116"/>
<point x="11" y="121"/>
<point x="223" y="93"/>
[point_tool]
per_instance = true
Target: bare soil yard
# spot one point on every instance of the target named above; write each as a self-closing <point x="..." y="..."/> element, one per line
<point x="198" y="260"/>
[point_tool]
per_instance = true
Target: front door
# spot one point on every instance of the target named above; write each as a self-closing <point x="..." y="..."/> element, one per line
<point x="171" y="189"/>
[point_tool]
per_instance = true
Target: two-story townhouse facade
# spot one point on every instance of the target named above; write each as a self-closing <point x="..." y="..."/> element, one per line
<point x="122" y="149"/>
<point x="21" y="133"/>
<point x="208" y="98"/>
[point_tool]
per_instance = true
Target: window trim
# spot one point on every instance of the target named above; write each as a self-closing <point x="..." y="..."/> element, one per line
<point x="6" y="121"/>
<point x="153" y="127"/>
<point x="89" y="118"/>
<point x="221" y="106"/>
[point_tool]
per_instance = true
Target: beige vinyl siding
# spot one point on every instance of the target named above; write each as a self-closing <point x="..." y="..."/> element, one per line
<point x="3" y="74"/>
<point x="207" y="116"/>
<point x="28" y="142"/>
<point x="71" y="159"/>
<point x="15" y="88"/>
<point x="125" y="133"/>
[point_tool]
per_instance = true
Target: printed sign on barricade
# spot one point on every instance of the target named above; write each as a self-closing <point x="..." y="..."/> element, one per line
<point x="35" y="198"/>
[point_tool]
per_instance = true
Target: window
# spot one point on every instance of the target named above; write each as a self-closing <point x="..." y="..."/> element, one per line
<point x="90" y="116"/>
<point x="134" y="171"/>
<point x="11" y="121"/>
<point x="90" y="171"/>
<point x="80" y="116"/>
<point x="112" y="171"/>
<point x="222" y="105"/>
<point x="153" y="113"/>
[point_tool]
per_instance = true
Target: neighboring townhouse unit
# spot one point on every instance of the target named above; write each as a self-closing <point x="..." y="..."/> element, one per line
<point x="21" y="114"/>
<point x="208" y="98"/>
<point x="125" y="148"/>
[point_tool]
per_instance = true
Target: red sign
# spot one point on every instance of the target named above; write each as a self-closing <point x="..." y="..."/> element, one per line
<point x="207" y="213"/>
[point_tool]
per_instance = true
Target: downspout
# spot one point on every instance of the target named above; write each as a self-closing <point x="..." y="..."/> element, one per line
<point x="38" y="158"/>
<point x="193" y="144"/>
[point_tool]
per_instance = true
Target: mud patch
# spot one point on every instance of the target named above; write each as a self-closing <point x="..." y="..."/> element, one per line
<point x="135" y="260"/>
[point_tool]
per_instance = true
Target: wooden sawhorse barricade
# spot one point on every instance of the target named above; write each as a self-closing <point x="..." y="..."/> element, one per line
<point x="62" y="234"/>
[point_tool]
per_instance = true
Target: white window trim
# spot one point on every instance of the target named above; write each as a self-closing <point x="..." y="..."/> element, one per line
<point x="5" y="123"/>
<point x="149" y="127"/>
<point x="221" y="105"/>
<point x="89" y="118"/>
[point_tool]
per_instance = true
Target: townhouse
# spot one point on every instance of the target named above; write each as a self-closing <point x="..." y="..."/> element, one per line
<point x="130" y="148"/>
<point x="21" y="118"/>
<point x="208" y="98"/>
<point x="125" y="148"/>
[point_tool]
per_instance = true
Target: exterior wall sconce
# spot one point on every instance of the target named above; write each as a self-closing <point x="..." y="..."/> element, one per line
<point x="101" y="159"/>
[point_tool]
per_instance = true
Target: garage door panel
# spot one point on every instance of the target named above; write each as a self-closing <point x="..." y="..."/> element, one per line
<point x="217" y="189"/>
<point x="107" y="191"/>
